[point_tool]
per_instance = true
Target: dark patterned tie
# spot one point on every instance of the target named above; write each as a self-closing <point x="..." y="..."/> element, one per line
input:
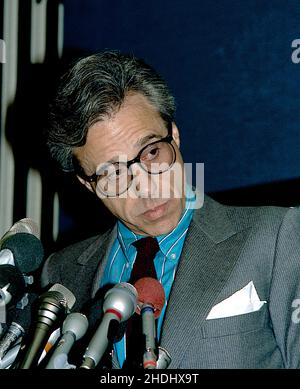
<point x="143" y="267"/>
<point x="144" y="262"/>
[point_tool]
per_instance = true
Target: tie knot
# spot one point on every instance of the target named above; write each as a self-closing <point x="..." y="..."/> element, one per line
<point x="147" y="246"/>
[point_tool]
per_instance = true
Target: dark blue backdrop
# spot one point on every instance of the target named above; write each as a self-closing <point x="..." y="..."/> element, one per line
<point x="229" y="65"/>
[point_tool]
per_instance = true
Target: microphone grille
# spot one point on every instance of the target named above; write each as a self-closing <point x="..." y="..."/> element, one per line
<point x="53" y="296"/>
<point x="66" y="293"/>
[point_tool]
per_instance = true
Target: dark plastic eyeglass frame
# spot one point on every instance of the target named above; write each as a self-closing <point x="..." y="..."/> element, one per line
<point x="94" y="177"/>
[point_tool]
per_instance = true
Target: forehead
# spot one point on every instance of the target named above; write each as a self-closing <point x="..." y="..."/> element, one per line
<point x="136" y="113"/>
<point x="122" y="132"/>
<point x="135" y="118"/>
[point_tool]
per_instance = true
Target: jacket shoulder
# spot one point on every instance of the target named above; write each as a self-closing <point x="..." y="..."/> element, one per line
<point x="64" y="263"/>
<point x="249" y="215"/>
<point x="221" y="220"/>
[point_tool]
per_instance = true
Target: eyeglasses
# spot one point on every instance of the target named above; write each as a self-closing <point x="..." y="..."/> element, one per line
<point x="113" y="179"/>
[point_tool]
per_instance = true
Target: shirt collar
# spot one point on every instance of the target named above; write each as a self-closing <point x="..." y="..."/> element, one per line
<point x="126" y="237"/>
<point x="167" y="241"/>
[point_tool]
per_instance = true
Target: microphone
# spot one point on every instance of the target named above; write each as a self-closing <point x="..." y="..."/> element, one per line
<point x="21" y="254"/>
<point x="74" y="328"/>
<point x="54" y="305"/>
<point x="19" y="326"/>
<point x="23" y="250"/>
<point x="119" y="305"/>
<point x="151" y="299"/>
<point x="23" y="225"/>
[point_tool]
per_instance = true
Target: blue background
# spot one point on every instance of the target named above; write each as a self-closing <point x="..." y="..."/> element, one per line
<point x="229" y="66"/>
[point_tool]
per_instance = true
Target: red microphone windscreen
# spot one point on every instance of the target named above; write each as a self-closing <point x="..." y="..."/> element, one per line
<point x="150" y="291"/>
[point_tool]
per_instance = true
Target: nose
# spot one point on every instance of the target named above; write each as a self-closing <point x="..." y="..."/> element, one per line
<point x="144" y="185"/>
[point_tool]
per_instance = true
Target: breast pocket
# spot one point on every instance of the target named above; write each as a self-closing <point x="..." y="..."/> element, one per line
<point x="235" y="324"/>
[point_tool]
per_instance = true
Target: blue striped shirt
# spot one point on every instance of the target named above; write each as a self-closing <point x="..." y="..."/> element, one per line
<point x="123" y="254"/>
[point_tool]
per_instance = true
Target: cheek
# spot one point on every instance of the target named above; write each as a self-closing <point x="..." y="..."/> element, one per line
<point x="121" y="208"/>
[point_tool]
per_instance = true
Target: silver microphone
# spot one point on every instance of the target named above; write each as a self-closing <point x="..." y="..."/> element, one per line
<point x="119" y="305"/>
<point x="74" y="328"/>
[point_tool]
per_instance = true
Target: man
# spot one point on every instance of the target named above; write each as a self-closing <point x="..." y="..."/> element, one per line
<point x="231" y="275"/>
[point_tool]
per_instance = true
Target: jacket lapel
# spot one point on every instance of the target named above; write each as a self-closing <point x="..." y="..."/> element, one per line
<point x="90" y="266"/>
<point x="106" y="248"/>
<point x="210" y="252"/>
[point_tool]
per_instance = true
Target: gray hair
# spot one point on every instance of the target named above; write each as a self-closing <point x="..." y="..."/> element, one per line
<point x="93" y="89"/>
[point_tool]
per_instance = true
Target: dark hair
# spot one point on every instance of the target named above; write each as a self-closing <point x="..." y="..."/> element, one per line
<point x="95" y="88"/>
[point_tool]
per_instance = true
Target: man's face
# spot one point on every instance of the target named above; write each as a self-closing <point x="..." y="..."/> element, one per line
<point x="143" y="208"/>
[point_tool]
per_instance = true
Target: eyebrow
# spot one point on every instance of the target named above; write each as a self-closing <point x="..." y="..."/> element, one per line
<point x="143" y="141"/>
<point x="139" y="143"/>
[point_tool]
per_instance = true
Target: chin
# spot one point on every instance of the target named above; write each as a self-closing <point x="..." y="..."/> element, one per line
<point x="160" y="228"/>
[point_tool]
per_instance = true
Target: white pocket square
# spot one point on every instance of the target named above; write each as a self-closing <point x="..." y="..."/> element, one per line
<point x="243" y="301"/>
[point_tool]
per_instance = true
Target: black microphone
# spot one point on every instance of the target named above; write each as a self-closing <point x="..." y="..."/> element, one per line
<point x="20" y="324"/>
<point x="22" y="253"/>
<point x="119" y="305"/>
<point x="151" y="300"/>
<point x="24" y="225"/>
<point x="74" y="328"/>
<point x="53" y="306"/>
<point x="23" y="250"/>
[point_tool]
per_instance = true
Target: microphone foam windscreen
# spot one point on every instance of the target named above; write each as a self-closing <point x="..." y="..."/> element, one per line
<point x="27" y="250"/>
<point x="150" y="291"/>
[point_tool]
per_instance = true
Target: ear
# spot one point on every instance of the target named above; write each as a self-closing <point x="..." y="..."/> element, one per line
<point x="175" y="134"/>
<point x="88" y="185"/>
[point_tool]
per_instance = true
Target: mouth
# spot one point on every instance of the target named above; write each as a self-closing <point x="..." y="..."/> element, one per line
<point x="156" y="212"/>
